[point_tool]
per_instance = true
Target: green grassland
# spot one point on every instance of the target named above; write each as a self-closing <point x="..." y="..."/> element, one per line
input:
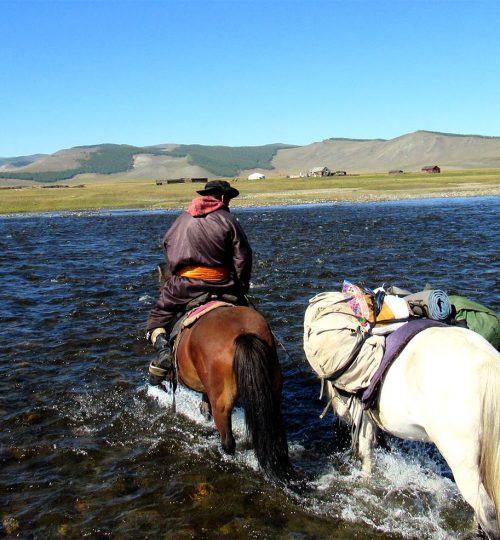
<point x="145" y="194"/>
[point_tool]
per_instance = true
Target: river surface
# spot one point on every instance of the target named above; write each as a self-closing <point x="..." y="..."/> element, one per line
<point x="89" y="450"/>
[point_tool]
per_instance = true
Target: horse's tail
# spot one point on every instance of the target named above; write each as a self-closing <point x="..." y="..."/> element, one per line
<point x="489" y="463"/>
<point x="254" y="368"/>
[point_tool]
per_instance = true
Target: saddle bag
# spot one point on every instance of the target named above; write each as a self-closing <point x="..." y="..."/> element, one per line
<point x="336" y="345"/>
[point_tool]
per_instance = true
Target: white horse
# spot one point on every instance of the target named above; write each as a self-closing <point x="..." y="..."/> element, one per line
<point x="444" y="388"/>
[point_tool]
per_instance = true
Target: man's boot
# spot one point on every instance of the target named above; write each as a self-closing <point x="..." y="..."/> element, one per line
<point x="163" y="365"/>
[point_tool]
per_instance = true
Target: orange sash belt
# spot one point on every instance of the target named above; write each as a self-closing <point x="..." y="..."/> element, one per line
<point x="207" y="273"/>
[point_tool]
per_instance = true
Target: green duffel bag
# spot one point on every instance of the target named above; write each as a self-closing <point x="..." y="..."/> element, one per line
<point x="477" y="317"/>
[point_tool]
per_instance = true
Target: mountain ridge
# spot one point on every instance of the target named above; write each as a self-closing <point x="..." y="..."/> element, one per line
<point x="408" y="152"/>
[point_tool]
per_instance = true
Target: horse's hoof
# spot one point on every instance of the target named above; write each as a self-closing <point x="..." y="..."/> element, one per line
<point x="206" y="410"/>
<point x="229" y="448"/>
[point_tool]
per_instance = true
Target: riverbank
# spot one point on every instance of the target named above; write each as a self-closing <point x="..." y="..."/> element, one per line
<point x="116" y="193"/>
<point x="363" y="195"/>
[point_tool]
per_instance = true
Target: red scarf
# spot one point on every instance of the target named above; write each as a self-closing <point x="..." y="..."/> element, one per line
<point x="206" y="204"/>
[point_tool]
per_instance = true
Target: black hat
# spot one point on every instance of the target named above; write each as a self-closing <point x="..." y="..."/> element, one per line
<point x="219" y="187"/>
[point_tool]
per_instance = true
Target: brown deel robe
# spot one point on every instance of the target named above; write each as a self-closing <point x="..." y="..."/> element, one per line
<point x="206" y="234"/>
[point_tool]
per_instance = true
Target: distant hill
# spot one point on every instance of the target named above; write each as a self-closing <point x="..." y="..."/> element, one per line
<point x="142" y="162"/>
<point x="20" y="161"/>
<point x="408" y="152"/>
<point x="229" y="160"/>
<point x="65" y="164"/>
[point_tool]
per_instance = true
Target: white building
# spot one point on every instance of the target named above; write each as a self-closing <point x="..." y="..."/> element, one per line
<point x="256" y="176"/>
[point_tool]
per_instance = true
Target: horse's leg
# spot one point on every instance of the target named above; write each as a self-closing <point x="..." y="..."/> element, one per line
<point x="205" y="407"/>
<point x="366" y="432"/>
<point x="466" y="474"/>
<point x="367" y="435"/>
<point x="222" y="417"/>
<point x="222" y="394"/>
<point x="459" y="444"/>
<point x="468" y="482"/>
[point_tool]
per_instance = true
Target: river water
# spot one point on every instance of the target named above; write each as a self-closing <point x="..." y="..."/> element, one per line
<point x="87" y="449"/>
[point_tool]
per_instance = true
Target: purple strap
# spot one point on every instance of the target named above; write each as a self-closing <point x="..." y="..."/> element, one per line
<point x="395" y="342"/>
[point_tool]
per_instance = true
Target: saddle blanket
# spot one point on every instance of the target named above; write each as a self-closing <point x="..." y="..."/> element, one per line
<point x="394" y="344"/>
<point x="192" y="316"/>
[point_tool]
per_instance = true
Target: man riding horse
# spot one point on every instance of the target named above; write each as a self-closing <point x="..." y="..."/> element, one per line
<point x="207" y="251"/>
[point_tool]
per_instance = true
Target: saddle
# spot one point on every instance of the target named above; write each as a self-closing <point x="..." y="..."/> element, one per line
<point x="195" y="309"/>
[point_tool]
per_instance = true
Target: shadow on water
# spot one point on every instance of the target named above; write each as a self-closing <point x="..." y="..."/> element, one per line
<point x="87" y="449"/>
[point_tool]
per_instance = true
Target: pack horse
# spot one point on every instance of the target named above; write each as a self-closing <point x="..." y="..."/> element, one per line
<point x="444" y="388"/>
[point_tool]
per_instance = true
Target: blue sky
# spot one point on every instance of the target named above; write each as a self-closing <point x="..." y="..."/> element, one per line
<point x="244" y="72"/>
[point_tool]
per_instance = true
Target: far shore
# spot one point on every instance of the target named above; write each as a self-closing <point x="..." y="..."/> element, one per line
<point x="364" y="196"/>
<point x="116" y="194"/>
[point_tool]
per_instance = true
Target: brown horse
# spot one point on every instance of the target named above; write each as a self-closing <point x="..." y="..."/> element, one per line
<point x="229" y="354"/>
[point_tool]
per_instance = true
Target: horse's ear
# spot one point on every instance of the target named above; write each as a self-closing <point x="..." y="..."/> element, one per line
<point x="163" y="273"/>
